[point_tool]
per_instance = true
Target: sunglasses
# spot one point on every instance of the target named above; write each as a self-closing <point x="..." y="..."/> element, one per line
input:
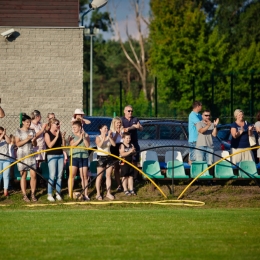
<point x="57" y="123"/>
<point x="130" y="111"/>
<point x="206" y="115"/>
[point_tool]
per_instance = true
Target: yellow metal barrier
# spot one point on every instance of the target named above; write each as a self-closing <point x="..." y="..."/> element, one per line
<point x="247" y="149"/>
<point x="92" y="149"/>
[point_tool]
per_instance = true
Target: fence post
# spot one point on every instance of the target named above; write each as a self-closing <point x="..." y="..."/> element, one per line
<point x="252" y="96"/>
<point x="212" y="95"/>
<point x="121" y="94"/>
<point x="231" y="96"/>
<point x="86" y="88"/>
<point x="193" y="88"/>
<point x="172" y="170"/>
<point x="156" y="97"/>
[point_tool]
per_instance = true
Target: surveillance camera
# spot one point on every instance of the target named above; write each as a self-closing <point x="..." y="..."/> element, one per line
<point x="8" y="33"/>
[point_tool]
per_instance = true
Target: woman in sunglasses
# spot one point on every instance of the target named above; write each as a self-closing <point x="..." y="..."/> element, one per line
<point x="55" y="158"/>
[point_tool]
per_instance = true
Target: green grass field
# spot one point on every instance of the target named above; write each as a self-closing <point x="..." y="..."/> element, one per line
<point x="129" y="232"/>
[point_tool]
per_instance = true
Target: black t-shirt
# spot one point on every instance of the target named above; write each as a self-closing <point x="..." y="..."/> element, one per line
<point x="57" y="144"/>
<point x="128" y="123"/>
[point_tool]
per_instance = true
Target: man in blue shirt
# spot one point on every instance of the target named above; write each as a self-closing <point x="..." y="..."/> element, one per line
<point x="194" y="118"/>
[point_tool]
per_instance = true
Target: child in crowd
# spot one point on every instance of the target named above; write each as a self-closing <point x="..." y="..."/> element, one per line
<point x="126" y="151"/>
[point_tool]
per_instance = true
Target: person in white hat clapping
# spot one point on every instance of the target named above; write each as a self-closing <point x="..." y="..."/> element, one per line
<point x="78" y="115"/>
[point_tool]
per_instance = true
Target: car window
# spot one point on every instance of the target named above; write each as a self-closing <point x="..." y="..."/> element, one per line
<point x="95" y="123"/>
<point x="172" y="132"/>
<point x="149" y="132"/>
<point x="223" y="134"/>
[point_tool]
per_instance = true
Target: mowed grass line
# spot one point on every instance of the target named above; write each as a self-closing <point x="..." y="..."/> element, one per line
<point x="130" y="233"/>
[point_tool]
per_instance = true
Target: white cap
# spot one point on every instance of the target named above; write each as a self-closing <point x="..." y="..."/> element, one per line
<point x="79" y="111"/>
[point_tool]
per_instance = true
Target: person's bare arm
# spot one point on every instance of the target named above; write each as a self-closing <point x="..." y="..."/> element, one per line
<point x="235" y="134"/>
<point x="205" y="128"/>
<point x="123" y="153"/>
<point x="48" y="141"/>
<point x="22" y="142"/>
<point x="215" y="131"/>
<point x="2" y="112"/>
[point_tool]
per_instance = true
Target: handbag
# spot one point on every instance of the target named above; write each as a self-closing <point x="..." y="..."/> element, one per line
<point x="252" y="140"/>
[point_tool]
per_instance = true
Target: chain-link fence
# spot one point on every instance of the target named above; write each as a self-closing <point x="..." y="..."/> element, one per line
<point x="12" y="123"/>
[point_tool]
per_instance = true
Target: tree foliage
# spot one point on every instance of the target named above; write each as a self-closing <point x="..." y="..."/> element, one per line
<point x="194" y="49"/>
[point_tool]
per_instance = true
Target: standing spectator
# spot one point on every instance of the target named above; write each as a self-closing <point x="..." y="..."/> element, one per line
<point x="39" y="129"/>
<point x="127" y="172"/>
<point x="79" y="157"/>
<point x="257" y="128"/>
<point x="25" y="140"/>
<point x="103" y="142"/>
<point x="2" y="112"/>
<point x="240" y="131"/>
<point x="49" y="117"/>
<point x="117" y="131"/>
<point x="78" y="115"/>
<point x="13" y="154"/>
<point x="4" y="160"/>
<point x="55" y="158"/>
<point x="206" y="129"/>
<point x="131" y="125"/>
<point x="12" y="148"/>
<point x="194" y="118"/>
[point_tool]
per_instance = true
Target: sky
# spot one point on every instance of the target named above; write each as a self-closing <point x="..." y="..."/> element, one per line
<point x="125" y="14"/>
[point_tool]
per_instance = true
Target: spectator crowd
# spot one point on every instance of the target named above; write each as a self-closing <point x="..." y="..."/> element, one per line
<point x="121" y="140"/>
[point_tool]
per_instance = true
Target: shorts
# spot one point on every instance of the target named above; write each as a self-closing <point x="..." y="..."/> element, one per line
<point x="104" y="161"/>
<point x="80" y="162"/>
<point x="126" y="170"/>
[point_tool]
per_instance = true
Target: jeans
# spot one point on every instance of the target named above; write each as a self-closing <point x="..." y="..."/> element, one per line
<point x="55" y="164"/>
<point x="6" y="173"/>
<point x="204" y="156"/>
<point x="192" y="156"/>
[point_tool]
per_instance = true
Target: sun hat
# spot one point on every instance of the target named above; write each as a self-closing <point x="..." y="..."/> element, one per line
<point x="79" y="111"/>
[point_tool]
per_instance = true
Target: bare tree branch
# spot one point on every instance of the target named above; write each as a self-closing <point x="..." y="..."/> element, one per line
<point x="139" y="63"/>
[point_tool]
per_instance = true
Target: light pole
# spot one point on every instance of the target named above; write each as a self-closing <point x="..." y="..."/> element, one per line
<point x="91" y="33"/>
<point x="95" y="4"/>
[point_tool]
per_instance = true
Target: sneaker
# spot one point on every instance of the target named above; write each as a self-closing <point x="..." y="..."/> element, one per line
<point x="58" y="197"/>
<point x="50" y="198"/>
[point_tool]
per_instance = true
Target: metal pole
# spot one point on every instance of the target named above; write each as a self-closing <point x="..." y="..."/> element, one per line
<point x="121" y="96"/>
<point x="82" y="17"/>
<point x="156" y="97"/>
<point x="231" y="97"/>
<point x="91" y="79"/>
<point x="87" y="96"/>
<point x="212" y="95"/>
<point x="252" y="97"/>
<point x="173" y="157"/>
<point x="193" y="88"/>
